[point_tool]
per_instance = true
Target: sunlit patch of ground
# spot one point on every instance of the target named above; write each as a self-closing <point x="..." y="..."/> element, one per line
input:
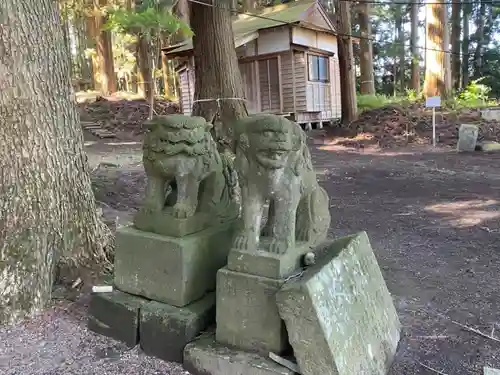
<point x="467" y="213"/>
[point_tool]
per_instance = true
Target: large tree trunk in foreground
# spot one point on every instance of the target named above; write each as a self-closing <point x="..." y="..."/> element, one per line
<point x="367" y="85"/>
<point x="46" y="201"/>
<point x="456" y="30"/>
<point x="348" y="98"/>
<point x="415" y="58"/>
<point x="216" y="66"/>
<point x="434" y="69"/>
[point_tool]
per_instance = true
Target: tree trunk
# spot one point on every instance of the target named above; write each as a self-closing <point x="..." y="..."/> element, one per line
<point x="434" y="74"/>
<point x="104" y="49"/>
<point x="167" y="77"/>
<point x="46" y="200"/>
<point x="216" y="68"/>
<point x="448" y="84"/>
<point x="467" y="10"/>
<point x="479" y="37"/>
<point x="415" y="58"/>
<point x="181" y="10"/>
<point x="367" y="86"/>
<point x="346" y="64"/>
<point x="456" y="30"/>
<point x="144" y="73"/>
<point x="400" y="48"/>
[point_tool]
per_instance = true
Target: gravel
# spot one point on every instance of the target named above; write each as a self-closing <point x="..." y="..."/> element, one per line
<point x="57" y="342"/>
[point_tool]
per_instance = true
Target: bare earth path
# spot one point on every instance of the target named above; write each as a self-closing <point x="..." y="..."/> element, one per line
<point x="432" y="217"/>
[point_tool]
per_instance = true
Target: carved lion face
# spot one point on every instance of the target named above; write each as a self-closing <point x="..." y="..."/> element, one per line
<point x="271" y="148"/>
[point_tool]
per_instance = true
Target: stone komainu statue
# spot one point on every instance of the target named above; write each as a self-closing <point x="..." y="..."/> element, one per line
<point x="274" y="164"/>
<point x="186" y="175"/>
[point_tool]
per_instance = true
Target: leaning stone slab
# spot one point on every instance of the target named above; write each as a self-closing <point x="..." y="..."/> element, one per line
<point x="467" y="137"/>
<point x="165" y="330"/>
<point x="172" y="270"/>
<point x="207" y="357"/>
<point x="247" y="314"/>
<point x="339" y="315"/>
<point x="116" y="315"/>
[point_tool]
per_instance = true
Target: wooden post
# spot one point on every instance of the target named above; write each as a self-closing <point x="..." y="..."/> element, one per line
<point x="257" y="86"/>
<point x="292" y="54"/>
<point x="280" y="86"/>
<point x="269" y="86"/>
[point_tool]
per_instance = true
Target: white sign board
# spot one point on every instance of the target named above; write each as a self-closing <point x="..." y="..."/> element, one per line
<point x="433" y="102"/>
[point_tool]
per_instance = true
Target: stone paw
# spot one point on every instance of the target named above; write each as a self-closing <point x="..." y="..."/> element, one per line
<point x="302" y="234"/>
<point x="150" y="208"/>
<point x="278" y="246"/>
<point x="241" y="242"/>
<point x="183" y="211"/>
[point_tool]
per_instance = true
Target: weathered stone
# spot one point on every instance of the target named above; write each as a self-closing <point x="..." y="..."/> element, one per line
<point x="172" y="270"/>
<point x="207" y="357"/>
<point x="340" y="316"/>
<point x="467" y="137"/>
<point x="247" y="314"/>
<point x="274" y="164"/>
<point x="264" y="263"/>
<point x="116" y="315"/>
<point x="181" y="158"/>
<point x="491" y="371"/>
<point x="165" y="330"/>
<point x="489" y="146"/>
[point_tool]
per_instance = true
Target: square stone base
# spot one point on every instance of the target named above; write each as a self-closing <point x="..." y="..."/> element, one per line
<point x="172" y="270"/>
<point x="165" y="330"/>
<point x="116" y="315"/>
<point x="263" y="263"/>
<point x="340" y="315"/>
<point x="206" y="357"/>
<point x="247" y="314"/>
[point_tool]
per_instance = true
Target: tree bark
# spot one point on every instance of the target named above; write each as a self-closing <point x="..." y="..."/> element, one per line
<point x="400" y="48"/>
<point x="144" y="72"/>
<point x="367" y="86"/>
<point x="346" y="63"/>
<point x="104" y="49"/>
<point x="216" y="67"/>
<point x="415" y="58"/>
<point x="456" y="30"/>
<point x="467" y="10"/>
<point x="479" y="37"/>
<point x="434" y="70"/>
<point x="448" y="84"/>
<point x="46" y="200"/>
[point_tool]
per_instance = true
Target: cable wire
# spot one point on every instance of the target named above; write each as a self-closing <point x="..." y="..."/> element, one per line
<point x="336" y="33"/>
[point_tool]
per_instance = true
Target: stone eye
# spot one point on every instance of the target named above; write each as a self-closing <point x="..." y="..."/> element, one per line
<point x="268" y="134"/>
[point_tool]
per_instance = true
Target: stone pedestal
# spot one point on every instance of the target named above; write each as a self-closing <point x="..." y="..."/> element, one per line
<point x="264" y="263"/>
<point x="339" y="314"/>
<point x="207" y="357"/>
<point x="176" y="271"/>
<point x="247" y="314"/>
<point x="165" y="330"/>
<point x="116" y="315"/>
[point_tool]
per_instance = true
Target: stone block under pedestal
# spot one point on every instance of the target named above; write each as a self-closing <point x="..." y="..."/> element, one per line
<point x="116" y="315"/>
<point x="165" y="330"/>
<point x="339" y="314"/>
<point x="205" y="356"/>
<point x="172" y="270"/>
<point x="247" y="315"/>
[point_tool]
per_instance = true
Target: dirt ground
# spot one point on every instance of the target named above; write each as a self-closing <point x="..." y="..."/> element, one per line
<point x="432" y="217"/>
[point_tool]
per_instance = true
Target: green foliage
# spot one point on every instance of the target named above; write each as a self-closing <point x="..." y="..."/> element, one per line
<point x="145" y="22"/>
<point x="367" y="102"/>
<point x="476" y="95"/>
